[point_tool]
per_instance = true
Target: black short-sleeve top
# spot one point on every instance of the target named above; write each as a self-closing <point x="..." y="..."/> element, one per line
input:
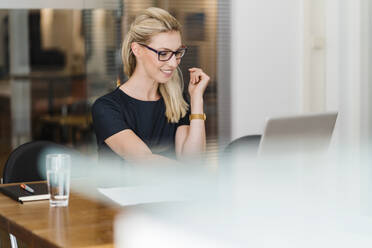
<point x="117" y="111"/>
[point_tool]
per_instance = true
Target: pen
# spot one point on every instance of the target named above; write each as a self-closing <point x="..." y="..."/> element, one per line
<point x="27" y="188"/>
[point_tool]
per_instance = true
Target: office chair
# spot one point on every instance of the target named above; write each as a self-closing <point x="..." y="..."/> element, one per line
<point x="246" y="145"/>
<point x="23" y="163"/>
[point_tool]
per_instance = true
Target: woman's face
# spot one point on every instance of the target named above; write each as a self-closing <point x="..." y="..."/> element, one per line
<point x="161" y="71"/>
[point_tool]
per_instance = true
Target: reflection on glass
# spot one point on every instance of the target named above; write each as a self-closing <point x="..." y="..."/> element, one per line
<point x="71" y="57"/>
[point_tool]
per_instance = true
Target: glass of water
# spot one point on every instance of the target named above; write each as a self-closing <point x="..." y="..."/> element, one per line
<point x="58" y="176"/>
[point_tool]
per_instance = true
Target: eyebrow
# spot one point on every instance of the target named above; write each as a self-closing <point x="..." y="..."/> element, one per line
<point x="168" y="49"/>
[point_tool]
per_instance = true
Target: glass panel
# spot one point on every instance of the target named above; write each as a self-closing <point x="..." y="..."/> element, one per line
<point x="54" y="63"/>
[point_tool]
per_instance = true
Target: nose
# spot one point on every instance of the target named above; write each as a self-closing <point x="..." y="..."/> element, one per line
<point x="173" y="61"/>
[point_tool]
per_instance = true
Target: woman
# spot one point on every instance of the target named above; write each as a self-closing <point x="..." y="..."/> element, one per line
<point x="147" y="116"/>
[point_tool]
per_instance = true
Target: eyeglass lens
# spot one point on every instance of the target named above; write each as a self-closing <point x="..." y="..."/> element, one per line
<point x="167" y="55"/>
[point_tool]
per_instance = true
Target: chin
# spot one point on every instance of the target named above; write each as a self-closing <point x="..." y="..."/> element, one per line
<point x="163" y="80"/>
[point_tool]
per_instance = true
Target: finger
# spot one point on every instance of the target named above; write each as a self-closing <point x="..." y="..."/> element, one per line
<point x="191" y="77"/>
<point x="199" y="77"/>
<point x="204" y="75"/>
<point x="202" y="78"/>
<point x="196" y="75"/>
<point x="194" y="69"/>
<point x="205" y="80"/>
<point x="195" y="78"/>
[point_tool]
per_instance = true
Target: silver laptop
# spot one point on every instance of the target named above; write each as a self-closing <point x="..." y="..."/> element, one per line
<point x="297" y="134"/>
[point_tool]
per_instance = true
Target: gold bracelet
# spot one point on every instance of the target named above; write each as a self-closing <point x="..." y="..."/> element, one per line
<point x="198" y="116"/>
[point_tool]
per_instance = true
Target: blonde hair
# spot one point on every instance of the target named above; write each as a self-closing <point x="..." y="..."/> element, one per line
<point x="148" y="23"/>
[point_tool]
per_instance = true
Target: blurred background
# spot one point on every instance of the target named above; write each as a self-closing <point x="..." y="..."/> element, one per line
<point x="265" y="58"/>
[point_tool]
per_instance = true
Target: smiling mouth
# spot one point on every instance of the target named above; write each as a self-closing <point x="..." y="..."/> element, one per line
<point x="167" y="72"/>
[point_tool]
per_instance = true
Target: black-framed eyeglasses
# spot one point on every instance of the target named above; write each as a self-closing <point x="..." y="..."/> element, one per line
<point x="166" y="55"/>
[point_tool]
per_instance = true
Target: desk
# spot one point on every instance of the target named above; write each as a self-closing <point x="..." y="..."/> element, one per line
<point x="84" y="223"/>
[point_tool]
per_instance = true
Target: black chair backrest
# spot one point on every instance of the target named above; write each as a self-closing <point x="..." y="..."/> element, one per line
<point x="247" y="145"/>
<point x="27" y="162"/>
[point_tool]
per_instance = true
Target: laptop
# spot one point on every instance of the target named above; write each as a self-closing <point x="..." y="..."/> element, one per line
<point x="287" y="135"/>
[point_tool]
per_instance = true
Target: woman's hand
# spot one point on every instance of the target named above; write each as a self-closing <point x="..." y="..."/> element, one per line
<point x="198" y="83"/>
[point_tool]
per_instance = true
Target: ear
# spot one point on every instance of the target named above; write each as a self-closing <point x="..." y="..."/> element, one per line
<point x="136" y="49"/>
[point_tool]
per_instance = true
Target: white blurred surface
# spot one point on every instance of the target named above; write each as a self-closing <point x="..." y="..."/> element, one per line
<point x="132" y="195"/>
<point x="299" y="201"/>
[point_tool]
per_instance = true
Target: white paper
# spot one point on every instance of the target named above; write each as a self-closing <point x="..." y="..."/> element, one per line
<point x="133" y="195"/>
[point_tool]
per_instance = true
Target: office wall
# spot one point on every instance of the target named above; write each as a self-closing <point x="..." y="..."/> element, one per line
<point x="292" y="57"/>
<point x="348" y="74"/>
<point x="314" y="70"/>
<point x="266" y="62"/>
<point x="349" y="77"/>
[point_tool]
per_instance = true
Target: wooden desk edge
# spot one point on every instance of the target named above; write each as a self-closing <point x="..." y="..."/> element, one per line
<point x="32" y="239"/>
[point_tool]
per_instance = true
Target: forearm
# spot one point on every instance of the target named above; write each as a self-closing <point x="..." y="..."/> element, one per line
<point x="158" y="159"/>
<point x="153" y="159"/>
<point x="195" y="141"/>
<point x="131" y="148"/>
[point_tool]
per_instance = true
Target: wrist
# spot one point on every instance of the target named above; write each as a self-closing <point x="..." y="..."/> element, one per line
<point x="198" y="117"/>
<point x="196" y="96"/>
<point x="197" y="106"/>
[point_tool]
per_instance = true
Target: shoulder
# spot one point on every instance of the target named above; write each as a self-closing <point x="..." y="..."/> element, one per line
<point x="111" y="100"/>
<point x="112" y="96"/>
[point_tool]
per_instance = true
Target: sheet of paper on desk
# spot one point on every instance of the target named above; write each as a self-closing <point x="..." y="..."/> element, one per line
<point x="141" y="194"/>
